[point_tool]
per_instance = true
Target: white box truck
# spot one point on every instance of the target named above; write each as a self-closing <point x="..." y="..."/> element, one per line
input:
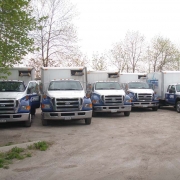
<point x="167" y="86"/>
<point x="19" y="95"/>
<point x="64" y="95"/>
<point x="142" y="96"/>
<point x="107" y="94"/>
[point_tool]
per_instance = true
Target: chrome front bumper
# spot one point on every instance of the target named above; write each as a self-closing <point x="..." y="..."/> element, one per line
<point x="112" y="108"/>
<point x="14" y="117"/>
<point x="145" y="104"/>
<point x="67" y="115"/>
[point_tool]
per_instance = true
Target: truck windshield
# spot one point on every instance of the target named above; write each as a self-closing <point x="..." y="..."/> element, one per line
<point x="178" y="88"/>
<point x="7" y="86"/>
<point x="107" y="86"/>
<point x="64" y="85"/>
<point x="138" y="85"/>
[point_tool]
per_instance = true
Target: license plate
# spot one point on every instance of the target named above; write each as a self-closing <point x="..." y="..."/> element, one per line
<point x="2" y="120"/>
<point x="113" y="110"/>
<point x="67" y="118"/>
<point x="34" y="98"/>
<point x="145" y="106"/>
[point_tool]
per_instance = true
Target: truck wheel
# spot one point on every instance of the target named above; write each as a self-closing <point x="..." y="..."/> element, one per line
<point x="88" y="121"/>
<point x="28" y="122"/>
<point x="44" y="121"/>
<point x="33" y="111"/>
<point x="155" y="108"/>
<point x="127" y="113"/>
<point x="178" y="106"/>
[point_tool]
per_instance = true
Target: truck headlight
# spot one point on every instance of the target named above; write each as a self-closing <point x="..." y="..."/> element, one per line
<point x="88" y="105"/>
<point x="156" y="98"/>
<point x="95" y="101"/>
<point x="45" y="106"/>
<point x="25" y="107"/>
<point x="128" y="100"/>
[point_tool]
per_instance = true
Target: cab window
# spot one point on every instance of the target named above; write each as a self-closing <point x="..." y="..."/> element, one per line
<point x="32" y="88"/>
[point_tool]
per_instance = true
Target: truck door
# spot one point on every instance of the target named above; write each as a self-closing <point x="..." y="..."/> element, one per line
<point x="170" y="95"/>
<point x="33" y="92"/>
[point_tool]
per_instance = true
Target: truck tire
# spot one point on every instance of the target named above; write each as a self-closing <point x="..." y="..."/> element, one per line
<point x="127" y="113"/>
<point x="28" y="122"/>
<point x="33" y="111"/>
<point x="178" y="106"/>
<point x="88" y="121"/>
<point x="44" y="121"/>
<point x="155" y="108"/>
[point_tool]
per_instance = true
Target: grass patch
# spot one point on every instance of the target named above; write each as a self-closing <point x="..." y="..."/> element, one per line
<point x="9" y="143"/>
<point x="6" y="158"/>
<point x="42" y="146"/>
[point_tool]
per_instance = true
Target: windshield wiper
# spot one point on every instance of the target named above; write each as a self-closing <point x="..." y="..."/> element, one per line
<point x="54" y="89"/>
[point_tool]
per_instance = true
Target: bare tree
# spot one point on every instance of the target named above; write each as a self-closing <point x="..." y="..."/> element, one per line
<point x="76" y="58"/>
<point x="127" y="56"/>
<point x="37" y="65"/>
<point x="163" y="54"/>
<point x="133" y="46"/>
<point x="55" y="36"/>
<point x="119" y="57"/>
<point x="99" y="62"/>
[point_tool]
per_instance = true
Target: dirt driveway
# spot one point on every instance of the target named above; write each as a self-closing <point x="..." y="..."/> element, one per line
<point x="143" y="146"/>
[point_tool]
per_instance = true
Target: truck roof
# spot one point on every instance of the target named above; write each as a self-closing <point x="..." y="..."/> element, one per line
<point x="166" y="72"/>
<point x="105" y="81"/>
<point x="5" y="80"/>
<point x="174" y="84"/>
<point x="136" y="81"/>
<point x="64" y="80"/>
<point x="63" y="68"/>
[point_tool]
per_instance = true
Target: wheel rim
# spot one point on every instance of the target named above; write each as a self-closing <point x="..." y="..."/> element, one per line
<point x="30" y="118"/>
<point x="178" y="107"/>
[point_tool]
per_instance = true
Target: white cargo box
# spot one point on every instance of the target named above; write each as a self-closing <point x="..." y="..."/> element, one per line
<point x="25" y="74"/>
<point x="161" y="80"/>
<point x="93" y="76"/>
<point x="55" y="73"/>
<point x="128" y="77"/>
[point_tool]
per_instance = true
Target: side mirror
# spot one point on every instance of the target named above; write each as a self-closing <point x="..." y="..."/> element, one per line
<point x="171" y="91"/>
<point x="88" y="94"/>
<point x="28" y="91"/>
<point x="41" y="88"/>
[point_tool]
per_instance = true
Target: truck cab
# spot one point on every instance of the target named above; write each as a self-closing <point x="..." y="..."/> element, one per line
<point x="172" y="96"/>
<point x="167" y="86"/>
<point x="142" y="95"/>
<point x="108" y="96"/>
<point x="65" y="98"/>
<point x="18" y="100"/>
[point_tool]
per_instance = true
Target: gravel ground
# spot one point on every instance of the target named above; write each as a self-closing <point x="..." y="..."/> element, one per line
<point x="143" y="146"/>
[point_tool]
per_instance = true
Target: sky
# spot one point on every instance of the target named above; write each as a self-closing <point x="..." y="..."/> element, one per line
<point x="102" y="23"/>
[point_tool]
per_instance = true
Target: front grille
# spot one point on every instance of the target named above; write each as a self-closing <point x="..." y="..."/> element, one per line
<point x="145" y="97"/>
<point x="68" y="104"/>
<point x="8" y="105"/>
<point x="113" y="99"/>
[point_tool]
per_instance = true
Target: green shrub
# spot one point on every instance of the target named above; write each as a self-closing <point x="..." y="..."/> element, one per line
<point x="41" y="145"/>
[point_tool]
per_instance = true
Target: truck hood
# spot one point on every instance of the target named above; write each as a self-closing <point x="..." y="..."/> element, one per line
<point x="12" y="95"/>
<point x="110" y="92"/>
<point x="141" y="90"/>
<point x="66" y="94"/>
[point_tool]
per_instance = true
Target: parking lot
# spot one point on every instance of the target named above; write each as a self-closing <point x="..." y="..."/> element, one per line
<point x="145" y="145"/>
